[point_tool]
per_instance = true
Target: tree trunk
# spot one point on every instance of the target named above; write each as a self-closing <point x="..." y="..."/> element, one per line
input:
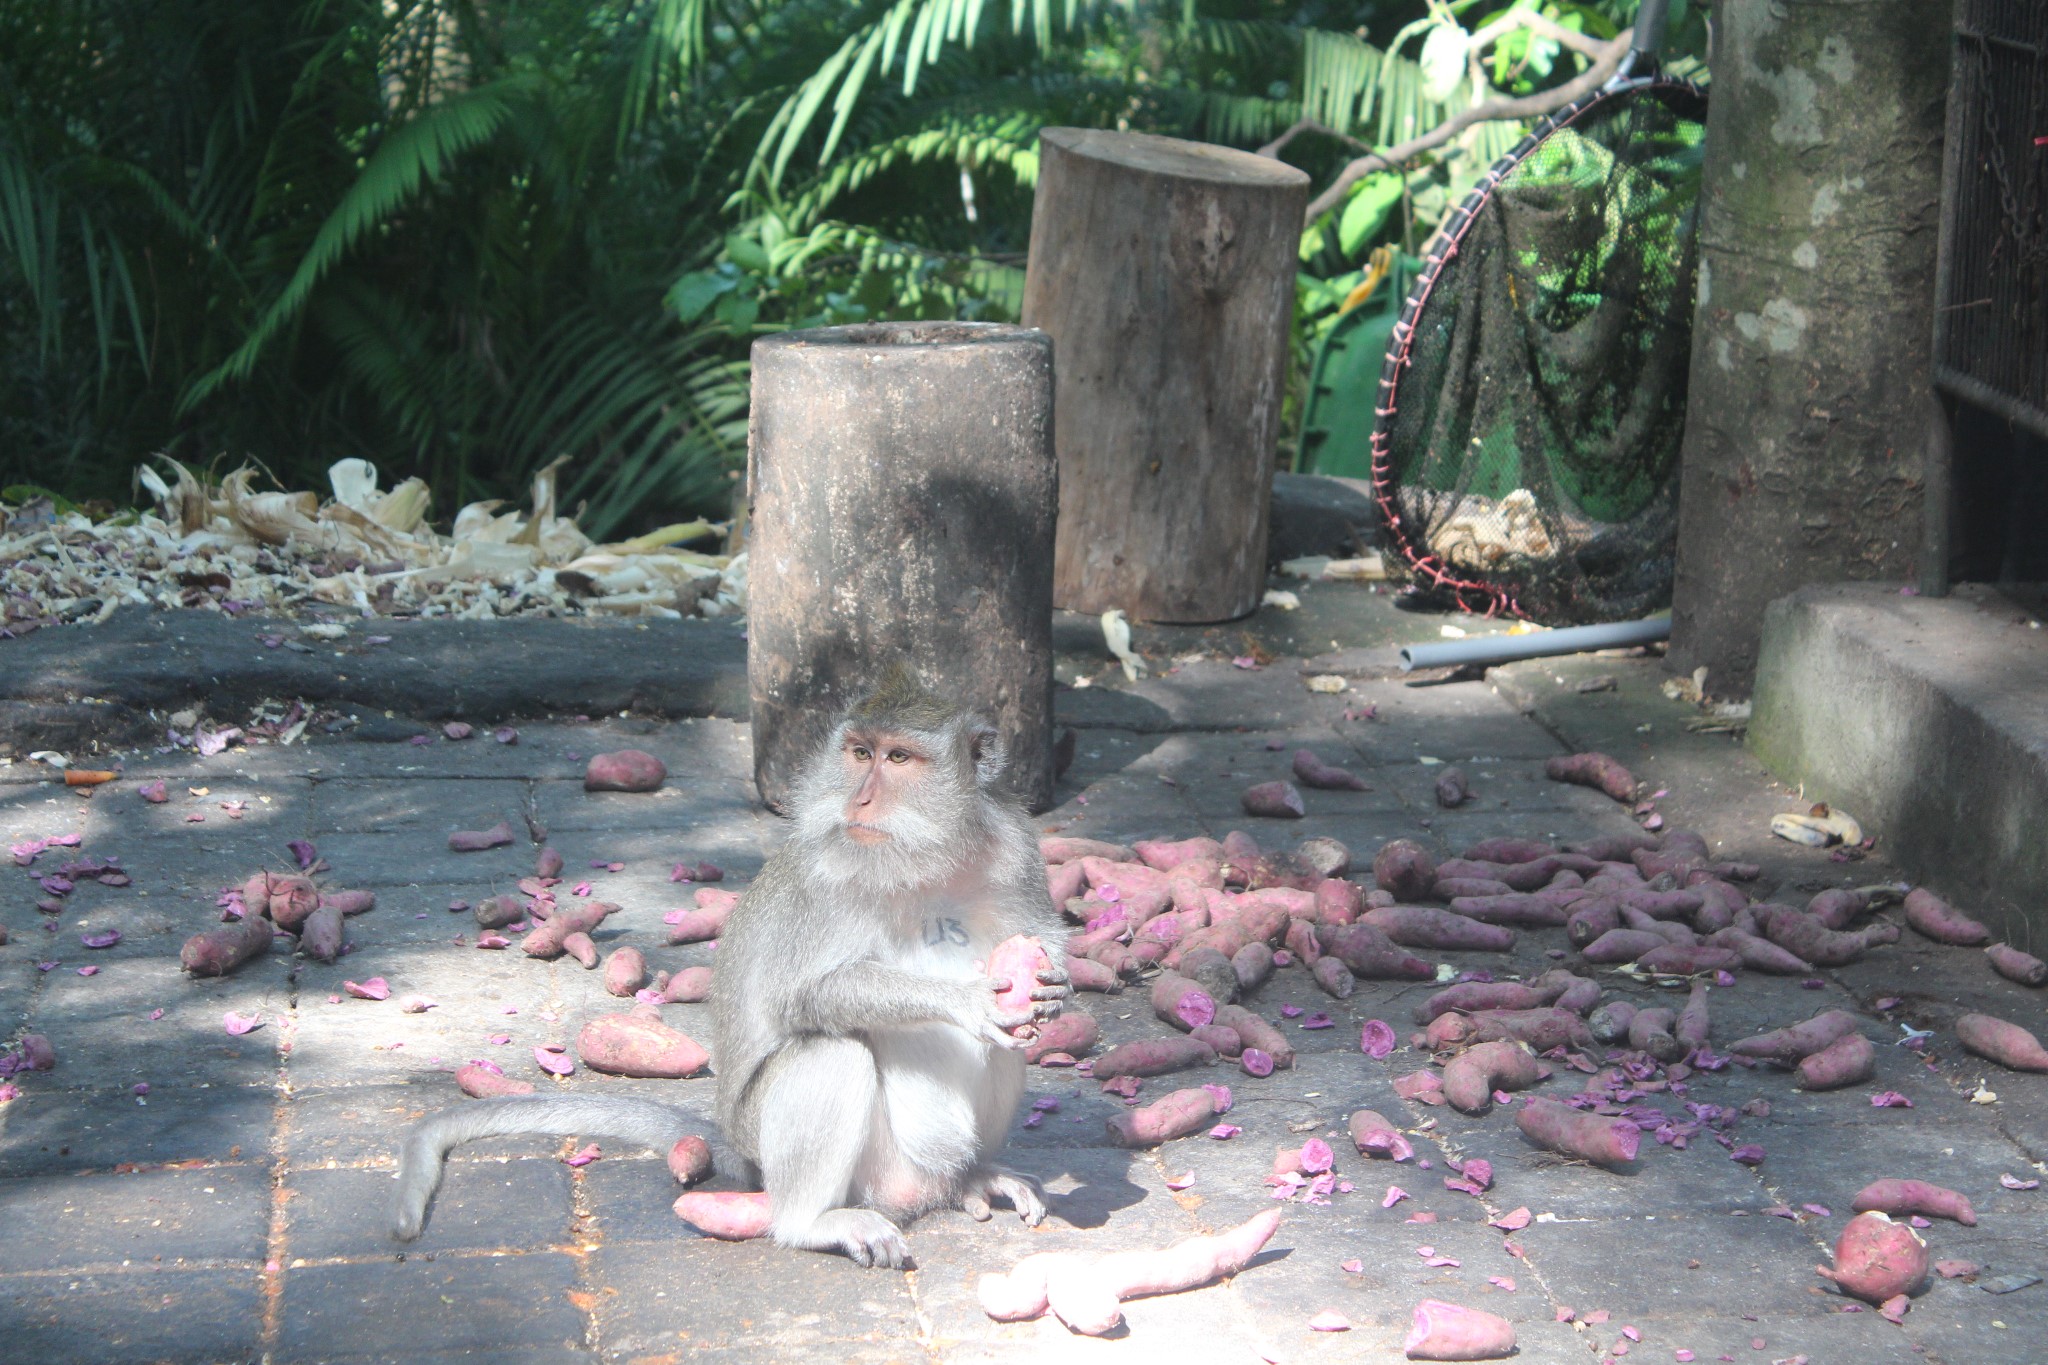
<point x="1807" y="410"/>
<point x="901" y="494"/>
<point x="1164" y="271"/>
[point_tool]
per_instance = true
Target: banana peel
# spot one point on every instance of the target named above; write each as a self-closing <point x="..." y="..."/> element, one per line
<point x="1819" y="827"/>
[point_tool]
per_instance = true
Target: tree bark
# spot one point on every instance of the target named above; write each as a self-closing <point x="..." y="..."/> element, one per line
<point x="901" y="496"/>
<point x="1804" y="428"/>
<point x="1164" y="271"/>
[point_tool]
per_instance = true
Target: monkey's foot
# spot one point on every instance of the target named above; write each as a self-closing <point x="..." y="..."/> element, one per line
<point x="865" y="1236"/>
<point x="1020" y="1192"/>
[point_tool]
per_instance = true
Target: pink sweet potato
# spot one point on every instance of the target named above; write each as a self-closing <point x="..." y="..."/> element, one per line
<point x="1800" y="933"/>
<point x="476" y="841"/>
<point x="1849" y="1060"/>
<point x="1068" y="850"/>
<point x="1613" y="847"/>
<point x="625" y="972"/>
<point x="1225" y="1040"/>
<point x="1518" y="908"/>
<point x="1787" y="1046"/>
<point x="1695" y="1024"/>
<point x="1153" y="1057"/>
<point x="1211" y="970"/>
<point x="690" y="986"/>
<point x="1839" y="906"/>
<point x="1450" y="888"/>
<point x="1065" y="881"/>
<point x="1253" y="1030"/>
<point x="291" y="900"/>
<point x="1017" y="960"/>
<point x="1575" y="993"/>
<point x="1086" y="974"/>
<point x="320" y="934"/>
<point x="2014" y="965"/>
<point x="1311" y="771"/>
<point x="1337" y="902"/>
<point x="697" y="926"/>
<point x="1623" y="945"/>
<point x="1166" y="856"/>
<point x="1176" y="1115"/>
<point x="1760" y="954"/>
<point x="727" y="1215"/>
<point x="1181" y="1003"/>
<point x="1370" y="954"/>
<point x="219" y="951"/>
<point x="495" y="912"/>
<point x="1085" y="1292"/>
<point x="581" y="948"/>
<point x="1420" y="926"/>
<point x="1932" y="917"/>
<point x="1405" y="868"/>
<point x="1070" y="1031"/>
<point x="635" y="1045"/>
<point x="1669" y="930"/>
<point x="1597" y="771"/>
<point x="548" y="863"/>
<point x="484" y="1083"/>
<point x="1283" y="869"/>
<point x="1508" y="850"/>
<point x="1470" y="996"/>
<point x="1542" y="1029"/>
<point x="689" y="1161"/>
<point x="1472" y="1076"/>
<point x="1662" y="905"/>
<point x="2005" y="1043"/>
<point x="350" y="902"/>
<point x="1597" y="1138"/>
<point x="1453" y="788"/>
<point x="1252" y="964"/>
<point x="1447" y="1331"/>
<point x="627" y="770"/>
<point x="1902" y="1197"/>
<point x="546" y="941"/>
<point x="1375" y="1136"/>
<point x="1688" y="959"/>
<point x="1333" y="977"/>
<point x="1274" y="801"/>
<point x="1876" y="1258"/>
<point x="1651" y="1031"/>
<point x="1609" y="1023"/>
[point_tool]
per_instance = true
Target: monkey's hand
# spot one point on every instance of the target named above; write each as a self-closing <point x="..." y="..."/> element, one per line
<point x="987" y="1020"/>
<point x="1053" y="989"/>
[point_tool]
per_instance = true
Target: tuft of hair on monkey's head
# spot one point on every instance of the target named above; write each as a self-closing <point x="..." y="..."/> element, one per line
<point x="901" y="704"/>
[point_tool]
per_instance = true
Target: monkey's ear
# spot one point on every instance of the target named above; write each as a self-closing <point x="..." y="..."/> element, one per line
<point x="985" y="747"/>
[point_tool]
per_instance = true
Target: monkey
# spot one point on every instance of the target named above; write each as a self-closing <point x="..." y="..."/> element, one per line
<point x="865" y="1074"/>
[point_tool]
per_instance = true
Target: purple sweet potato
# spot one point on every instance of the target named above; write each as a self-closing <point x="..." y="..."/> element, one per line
<point x="1211" y="970"/>
<point x="625" y="972"/>
<point x="1405" y="868"/>
<point x="1181" y="1002"/>
<point x="1070" y="1031"/>
<point x="1273" y="801"/>
<point x="1375" y="1136"/>
<point x="1787" y="1046"/>
<point x="1153" y="1057"/>
<point x="1166" y="856"/>
<point x="1472" y="996"/>
<point x="1449" y="1331"/>
<point x="476" y="841"/>
<point x="1597" y="771"/>
<point x="1669" y="930"/>
<point x="1472" y="1076"/>
<point x="690" y="986"/>
<point x="1609" y="1023"/>
<point x="1602" y="1140"/>
<point x="1518" y="908"/>
<point x="1065" y="881"/>
<point x="1688" y="959"/>
<point x="1086" y="974"/>
<point x="1838" y="907"/>
<point x="219" y="951"/>
<point x="1575" y="993"/>
<point x="1901" y="1198"/>
<point x="350" y="902"/>
<point x="1450" y="888"/>
<point x="1283" y="869"/>
<point x="548" y="863"/>
<point x="486" y="1083"/>
<point x="1877" y="1259"/>
<point x="2014" y="965"/>
<point x="1508" y="850"/>
<point x="292" y="898"/>
<point x="1591" y="918"/>
<point x="729" y="1215"/>
<point x="1849" y="1060"/>
<point x="1651" y="1031"/>
<point x="1453" y="788"/>
<point x="1372" y="955"/>
<point x="1610" y="848"/>
<point x="547" y="940"/>
<point x="1800" y="933"/>
<point x="36" y="1052"/>
<point x="1760" y="954"/>
<point x="626" y="770"/>
<point x="1337" y="902"/>
<point x="689" y="1160"/>
<point x="1253" y="1030"/>
<point x="1176" y="1115"/>
<point x="1662" y="905"/>
<point x="1421" y="926"/>
<point x="1623" y="945"/>
<point x="1695" y="1024"/>
<point x="1932" y="917"/>
<point x="1311" y="771"/>
<point x="1334" y="977"/>
<point x="1252" y="964"/>
<point x="635" y="1045"/>
<point x="2005" y="1043"/>
<point x="320" y="934"/>
<point x="495" y="912"/>
<point x="1542" y="1029"/>
<point x="1068" y="850"/>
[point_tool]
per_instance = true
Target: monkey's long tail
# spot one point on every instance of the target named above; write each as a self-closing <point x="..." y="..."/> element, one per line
<point x="427" y="1146"/>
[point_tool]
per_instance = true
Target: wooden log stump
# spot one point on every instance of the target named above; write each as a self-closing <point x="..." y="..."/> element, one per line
<point x="1164" y="271"/>
<point x="901" y="498"/>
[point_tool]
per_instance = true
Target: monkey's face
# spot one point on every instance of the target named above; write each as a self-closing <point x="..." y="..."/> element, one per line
<point x="886" y="804"/>
<point x="884" y="775"/>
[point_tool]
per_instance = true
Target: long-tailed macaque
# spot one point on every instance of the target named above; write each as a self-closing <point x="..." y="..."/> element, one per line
<point x="865" y="1073"/>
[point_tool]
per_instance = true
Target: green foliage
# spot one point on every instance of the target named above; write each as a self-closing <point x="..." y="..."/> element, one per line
<point x="461" y="240"/>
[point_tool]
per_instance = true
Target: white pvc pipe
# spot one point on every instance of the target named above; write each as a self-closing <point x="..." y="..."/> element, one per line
<point x="1502" y="649"/>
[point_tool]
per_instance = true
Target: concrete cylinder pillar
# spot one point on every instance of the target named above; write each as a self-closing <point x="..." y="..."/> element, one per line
<point x="902" y="492"/>
<point x="1164" y="271"/>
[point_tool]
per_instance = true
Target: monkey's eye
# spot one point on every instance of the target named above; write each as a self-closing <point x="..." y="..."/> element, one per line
<point x="899" y="756"/>
<point x="861" y="753"/>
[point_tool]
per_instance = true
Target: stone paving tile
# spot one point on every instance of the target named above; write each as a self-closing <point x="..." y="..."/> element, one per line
<point x="98" y="1221"/>
<point x="49" y="1132"/>
<point x="152" y="1314"/>
<point x="433" y="1308"/>
<point x="481" y="1206"/>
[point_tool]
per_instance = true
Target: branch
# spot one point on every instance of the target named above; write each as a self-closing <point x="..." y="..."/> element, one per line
<point x="1493" y="111"/>
<point x="1309" y="125"/>
<point x="1544" y="28"/>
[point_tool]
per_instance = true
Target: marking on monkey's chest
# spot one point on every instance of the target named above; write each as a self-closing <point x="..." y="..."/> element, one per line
<point x="944" y="929"/>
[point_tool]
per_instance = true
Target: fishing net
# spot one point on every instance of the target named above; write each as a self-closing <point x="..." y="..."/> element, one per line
<point x="1525" y="453"/>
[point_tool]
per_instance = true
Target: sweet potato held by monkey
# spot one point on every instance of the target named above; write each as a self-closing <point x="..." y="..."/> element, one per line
<point x="867" y="1072"/>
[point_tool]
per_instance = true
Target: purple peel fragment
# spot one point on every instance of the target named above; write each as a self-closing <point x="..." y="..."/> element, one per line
<point x="239" y="1024"/>
<point x="303" y="851"/>
<point x="102" y="938"/>
<point x="1376" y="1040"/>
<point x="553" y="1058"/>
